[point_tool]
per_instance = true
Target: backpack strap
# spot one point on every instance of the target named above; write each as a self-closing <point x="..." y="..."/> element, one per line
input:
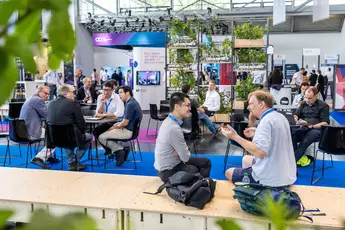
<point x="160" y="189"/>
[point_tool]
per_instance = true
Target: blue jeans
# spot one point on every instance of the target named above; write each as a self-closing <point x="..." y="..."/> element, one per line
<point x="72" y="157"/>
<point x="53" y="89"/>
<point x="210" y="125"/>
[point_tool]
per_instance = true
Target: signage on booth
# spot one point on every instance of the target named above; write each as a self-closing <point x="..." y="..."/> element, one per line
<point x="311" y="52"/>
<point x="331" y="56"/>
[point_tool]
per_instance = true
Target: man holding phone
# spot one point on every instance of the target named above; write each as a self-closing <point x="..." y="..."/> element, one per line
<point x="272" y="162"/>
<point x="87" y="93"/>
<point x="311" y="115"/>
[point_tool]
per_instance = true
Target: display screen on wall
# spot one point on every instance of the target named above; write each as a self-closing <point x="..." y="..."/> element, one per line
<point x="339" y="85"/>
<point x="148" y="77"/>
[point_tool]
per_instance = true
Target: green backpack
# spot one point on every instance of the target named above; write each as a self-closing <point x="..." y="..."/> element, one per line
<point x="253" y="198"/>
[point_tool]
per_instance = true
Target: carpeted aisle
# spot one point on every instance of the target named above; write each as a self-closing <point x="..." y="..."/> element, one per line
<point x="334" y="177"/>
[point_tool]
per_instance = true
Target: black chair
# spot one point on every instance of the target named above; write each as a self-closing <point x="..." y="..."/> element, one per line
<point x="239" y="126"/>
<point x="188" y="131"/>
<point x="155" y="116"/>
<point x="65" y="137"/>
<point x="14" y="109"/>
<point x="18" y="134"/>
<point x="332" y="142"/>
<point x="131" y="141"/>
<point x="164" y="108"/>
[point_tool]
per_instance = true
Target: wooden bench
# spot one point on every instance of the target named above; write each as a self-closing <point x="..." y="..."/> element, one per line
<point x="118" y="201"/>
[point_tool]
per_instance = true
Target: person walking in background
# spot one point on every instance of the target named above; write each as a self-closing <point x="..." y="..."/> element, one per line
<point x="103" y="75"/>
<point x="321" y="85"/>
<point x="128" y="78"/>
<point x="79" y="77"/>
<point x="276" y="78"/>
<point x="120" y="78"/>
<point x="53" y="81"/>
<point x="313" y="78"/>
<point x="114" y="76"/>
<point x="329" y="82"/>
<point x="95" y="77"/>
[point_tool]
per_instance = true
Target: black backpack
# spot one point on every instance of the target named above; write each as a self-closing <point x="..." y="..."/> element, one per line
<point x="189" y="189"/>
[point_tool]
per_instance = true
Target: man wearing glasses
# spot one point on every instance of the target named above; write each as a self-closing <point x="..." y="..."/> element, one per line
<point x="109" y="104"/>
<point x="311" y="115"/>
<point x="33" y="111"/>
<point x="171" y="152"/>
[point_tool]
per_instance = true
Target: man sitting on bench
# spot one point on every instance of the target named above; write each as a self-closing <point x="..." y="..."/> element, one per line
<point x="171" y="152"/>
<point x="273" y="161"/>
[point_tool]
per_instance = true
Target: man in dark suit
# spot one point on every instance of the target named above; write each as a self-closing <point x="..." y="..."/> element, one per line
<point x="65" y="111"/>
<point x="87" y="94"/>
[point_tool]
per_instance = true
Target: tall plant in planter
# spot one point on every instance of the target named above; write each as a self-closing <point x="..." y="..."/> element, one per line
<point x="182" y="33"/>
<point x="244" y="88"/>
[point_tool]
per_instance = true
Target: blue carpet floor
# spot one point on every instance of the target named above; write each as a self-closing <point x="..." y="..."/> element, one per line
<point x="334" y="177"/>
<point x="339" y="117"/>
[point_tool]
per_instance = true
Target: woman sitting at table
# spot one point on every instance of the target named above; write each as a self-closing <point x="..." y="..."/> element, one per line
<point x="87" y="94"/>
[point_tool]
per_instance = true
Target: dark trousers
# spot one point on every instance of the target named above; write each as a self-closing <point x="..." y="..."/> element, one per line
<point x="200" y="165"/>
<point x="329" y="84"/>
<point x="322" y="92"/>
<point x="305" y="137"/>
<point x="53" y="89"/>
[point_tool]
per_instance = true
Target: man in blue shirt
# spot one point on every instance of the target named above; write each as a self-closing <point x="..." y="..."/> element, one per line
<point x="124" y="128"/>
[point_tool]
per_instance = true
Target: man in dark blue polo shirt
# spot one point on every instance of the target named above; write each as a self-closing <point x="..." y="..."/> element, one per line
<point x="123" y="129"/>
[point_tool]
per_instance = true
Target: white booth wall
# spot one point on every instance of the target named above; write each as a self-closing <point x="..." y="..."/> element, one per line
<point x="291" y="45"/>
<point x="111" y="57"/>
<point x="149" y="59"/>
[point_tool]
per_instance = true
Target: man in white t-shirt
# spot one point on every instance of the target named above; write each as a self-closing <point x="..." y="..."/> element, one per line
<point x="103" y="75"/>
<point x="212" y="101"/>
<point x="273" y="161"/>
<point x="297" y="77"/>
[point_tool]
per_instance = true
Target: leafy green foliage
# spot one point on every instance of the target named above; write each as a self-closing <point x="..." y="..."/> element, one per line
<point x="244" y="88"/>
<point x="183" y="56"/>
<point x="179" y="28"/>
<point x="249" y="31"/>
<point x="250" y="55"/>
<point x="4" y="215"/>
<point x="27" y="34"/>
<point x="228" y="225"/>
<point x="227" y="45"/>
<point x="180" y="77"/>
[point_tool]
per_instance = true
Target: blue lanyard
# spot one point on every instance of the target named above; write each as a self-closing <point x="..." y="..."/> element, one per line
<point x="267" y="112"/>
<point x="107" y="105"/>
<point x="174" y="119"/>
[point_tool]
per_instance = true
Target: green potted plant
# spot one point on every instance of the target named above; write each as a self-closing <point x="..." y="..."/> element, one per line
<point x="249" y="35"/>
<point x="242" y="90"/>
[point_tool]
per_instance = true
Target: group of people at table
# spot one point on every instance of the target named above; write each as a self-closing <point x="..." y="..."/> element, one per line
<point x="65" y="110"/>
<point x="274" y="147"/>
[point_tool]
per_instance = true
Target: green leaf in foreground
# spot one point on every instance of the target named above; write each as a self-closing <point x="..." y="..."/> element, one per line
<point x="6" y="10"/>
<point x="19" y="48"/>
<point x="228" y="225"/>
<point x="8" y="76"/>
<point x="53" y="61"/>
<point x="42" y="220"/>
<point x="29" y="28"/>
<point x="61" y="34"/>
<point x="4" y="215"/>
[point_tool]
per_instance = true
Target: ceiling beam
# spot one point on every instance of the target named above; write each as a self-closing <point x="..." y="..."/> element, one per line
<point x="245" y="5"/>
<point x="302" y="5"/>
<point x="101" y="8"/>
